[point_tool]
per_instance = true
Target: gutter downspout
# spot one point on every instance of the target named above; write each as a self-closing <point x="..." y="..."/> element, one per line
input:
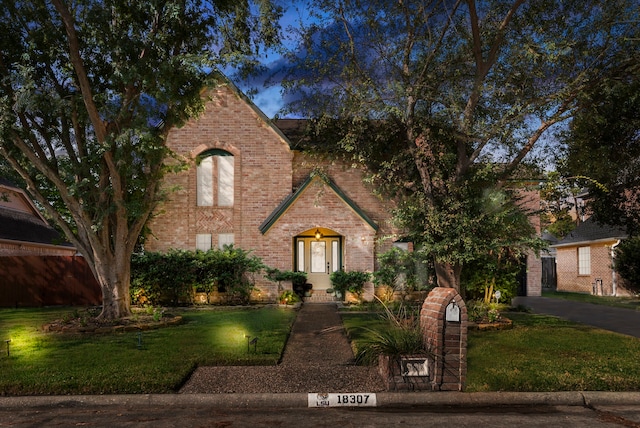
<point x="614" y="279"/>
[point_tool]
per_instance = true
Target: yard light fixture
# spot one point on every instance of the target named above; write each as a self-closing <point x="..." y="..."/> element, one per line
<point x="318" y="234"/>
<point x="250" y="342"/>
<point x="7" y="342"/>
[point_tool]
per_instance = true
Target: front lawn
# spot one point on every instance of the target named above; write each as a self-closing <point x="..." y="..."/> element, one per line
<point x="540" y="353"/>
<point x="154" y="361"/>
<point x="620" y="302"/>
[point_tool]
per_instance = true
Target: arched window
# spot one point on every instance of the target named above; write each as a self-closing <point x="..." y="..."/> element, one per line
<point x="215" y="178"/>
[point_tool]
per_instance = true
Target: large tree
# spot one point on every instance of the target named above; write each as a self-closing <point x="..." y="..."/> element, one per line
<point x="89" y="90"/>
<point x="445" y="99"/>
<point x="603" y="145"/>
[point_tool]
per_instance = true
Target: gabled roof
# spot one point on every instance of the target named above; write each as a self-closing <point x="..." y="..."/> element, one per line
<point x="22" y="226"/>
<point x="291" y="199"/>
<point x="589" y="231"/>
<point x="226" y="81"/>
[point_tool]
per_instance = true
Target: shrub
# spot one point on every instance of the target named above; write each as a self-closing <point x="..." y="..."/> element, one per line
<point x="352" y="282"/>
<point x="163" y="279"/>
<point x="483" y="277"/>
<point x="297" y="278"/>
<point x="288" y="297"/>
<point x="170" y="278"/>
<point x="627" y="262"/>
<point x="401" y="336"/>
<point x="480" y="311"/>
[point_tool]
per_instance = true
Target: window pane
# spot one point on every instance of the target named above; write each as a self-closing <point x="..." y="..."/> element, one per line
<point x="205" y="182"/>
<point x="318" y="256"/>
<point x="584" y="261"/>
<point x="301" y="266"/>
<point x="225" y="239"/>
<point x="225" y="180"/>
<point x="203" y="241"/>
<point x="335" y="256"/>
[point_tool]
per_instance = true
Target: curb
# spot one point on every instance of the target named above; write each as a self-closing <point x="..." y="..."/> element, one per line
<point x="297" y="400"/>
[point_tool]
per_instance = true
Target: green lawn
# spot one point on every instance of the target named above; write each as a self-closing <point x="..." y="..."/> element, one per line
<point x="540" y="353"/>
<point x="620" y="302"/>
<point x="54" y="363"/>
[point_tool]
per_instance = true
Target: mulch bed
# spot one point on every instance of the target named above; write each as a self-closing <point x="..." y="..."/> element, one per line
<point x="85" y="322"/>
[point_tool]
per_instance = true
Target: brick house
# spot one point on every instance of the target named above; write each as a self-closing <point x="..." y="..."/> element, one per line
<point x="248" y="186"/>
<point x="37" y="266"/>
<point x="584" y="260"/>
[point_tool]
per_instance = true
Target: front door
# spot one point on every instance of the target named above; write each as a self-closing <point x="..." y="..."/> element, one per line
<point x="319" y="257"/>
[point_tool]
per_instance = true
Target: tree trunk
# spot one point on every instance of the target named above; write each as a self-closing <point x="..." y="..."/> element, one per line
<point x="448" y="275"/>
<point x="114" y="276"/>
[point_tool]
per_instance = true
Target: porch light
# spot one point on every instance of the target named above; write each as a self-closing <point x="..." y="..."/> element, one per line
<point x="318" y="234"/>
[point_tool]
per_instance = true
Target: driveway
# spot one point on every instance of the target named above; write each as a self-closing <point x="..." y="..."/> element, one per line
<point x="619" y="320"/>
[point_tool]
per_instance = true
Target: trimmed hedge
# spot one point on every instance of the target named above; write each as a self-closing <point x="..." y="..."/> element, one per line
<point x="173" y="277"/>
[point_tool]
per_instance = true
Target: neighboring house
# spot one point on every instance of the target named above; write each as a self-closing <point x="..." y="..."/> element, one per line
<point x="247" y="186"/>
<point x="23" y="230"/>
<point x="37" y="266"/>
<point x="584" y="260"/>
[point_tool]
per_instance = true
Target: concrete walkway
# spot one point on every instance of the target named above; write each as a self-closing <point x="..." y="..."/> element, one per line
<point x="619" y="320"/>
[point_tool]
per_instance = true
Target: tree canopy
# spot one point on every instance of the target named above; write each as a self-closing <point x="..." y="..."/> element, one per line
<point x="446" y="100"/>
<point x="603" y="145"/>
<point x="89" y="90"/>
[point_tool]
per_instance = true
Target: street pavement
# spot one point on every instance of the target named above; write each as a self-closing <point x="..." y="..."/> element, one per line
<point x="408" y="409"/>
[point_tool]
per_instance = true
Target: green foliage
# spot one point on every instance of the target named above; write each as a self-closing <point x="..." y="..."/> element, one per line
<point x="627" y="262"/>
<point x="603" y="143"/>
<point x="401" y="269"/>
<point x="277" y="275"/>
<point x="398" y="334"/>
<point x="163" y="278"/>
<point x="234" y="269"/>
<point x="486" y="275"/>
<point x="352" y="281"/>
<point x="483" y="311"/>
<point x="559" y="197"/>
<point x="391" y="341"/>
<point x="90" y="92"/>
<point x="288" y="297"/>
<point x="446" y="150"/>
<point x="170" y="278"/>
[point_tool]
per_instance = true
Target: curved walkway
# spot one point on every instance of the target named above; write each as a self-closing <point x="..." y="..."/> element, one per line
<point x="619" y="320"/>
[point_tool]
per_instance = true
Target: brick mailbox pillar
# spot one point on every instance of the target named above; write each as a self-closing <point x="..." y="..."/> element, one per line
<point x="443" y="320"/>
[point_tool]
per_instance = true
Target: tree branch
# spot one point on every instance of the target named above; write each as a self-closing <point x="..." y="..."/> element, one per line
<point x="81" y="72"/>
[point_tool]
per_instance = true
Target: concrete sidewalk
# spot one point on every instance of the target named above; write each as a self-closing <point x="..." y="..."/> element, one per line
<point x="619" y="320"/>
<point x="299" y="400"/>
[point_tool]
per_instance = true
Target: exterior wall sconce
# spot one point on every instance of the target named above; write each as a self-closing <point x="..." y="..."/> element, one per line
<point x="318" y="234"/>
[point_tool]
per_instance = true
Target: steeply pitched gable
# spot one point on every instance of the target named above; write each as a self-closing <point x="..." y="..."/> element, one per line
<point x="291" y="199"/>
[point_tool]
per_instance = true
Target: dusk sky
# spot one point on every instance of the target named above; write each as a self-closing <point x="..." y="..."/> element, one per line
<point x="269" y="99"/>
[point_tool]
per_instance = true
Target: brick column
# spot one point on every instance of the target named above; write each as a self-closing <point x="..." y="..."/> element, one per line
<point x="443" y="320"/>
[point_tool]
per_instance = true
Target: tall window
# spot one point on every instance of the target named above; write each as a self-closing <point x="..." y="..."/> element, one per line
<point x="203" y="241"/>
<point x="584" y="260"/>
<point x="225" y="239"/>
<point x="215" y="179"/>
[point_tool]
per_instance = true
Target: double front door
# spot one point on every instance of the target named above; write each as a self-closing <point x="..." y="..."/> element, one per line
<point x="318" y="257"/>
